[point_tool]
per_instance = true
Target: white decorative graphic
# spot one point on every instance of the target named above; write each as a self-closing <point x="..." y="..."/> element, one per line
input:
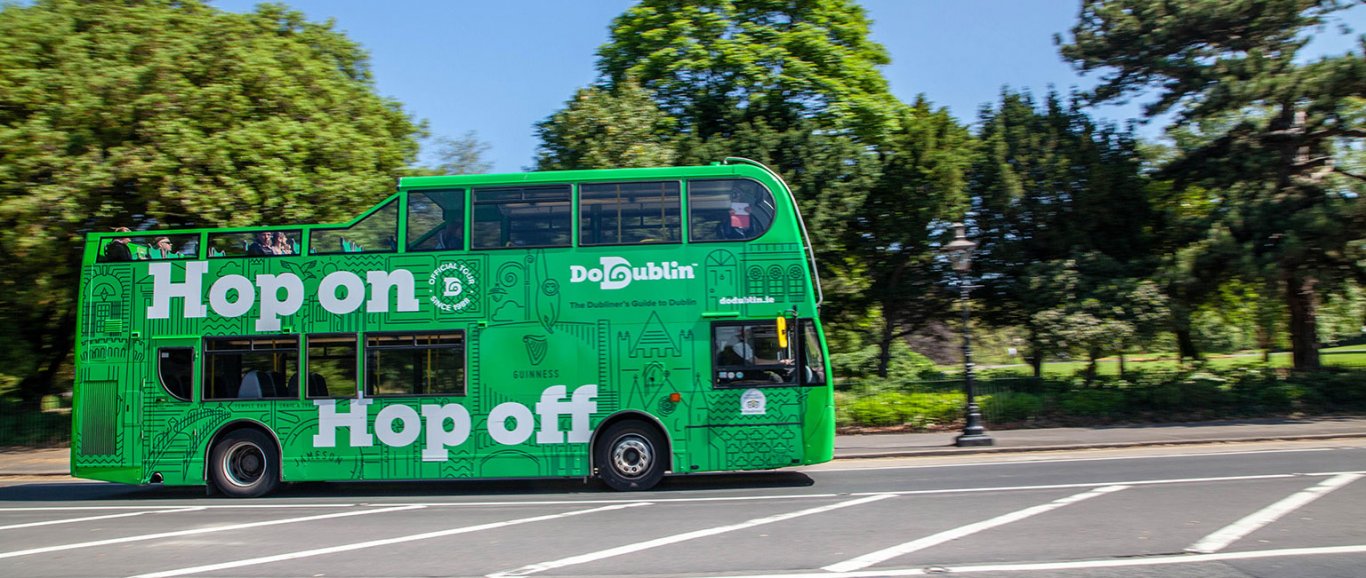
<point x="753" y="402"/>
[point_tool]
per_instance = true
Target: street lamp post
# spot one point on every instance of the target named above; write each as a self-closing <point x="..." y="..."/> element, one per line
<point x="959" y="252"/>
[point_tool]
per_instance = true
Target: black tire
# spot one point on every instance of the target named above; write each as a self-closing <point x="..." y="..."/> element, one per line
<point x="244" y="464"/>
<point x="630" y="456"/>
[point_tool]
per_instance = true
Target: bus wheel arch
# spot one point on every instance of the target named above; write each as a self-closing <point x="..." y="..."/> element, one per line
<point x="243" y="460"/>
<point x="631" y="451"/>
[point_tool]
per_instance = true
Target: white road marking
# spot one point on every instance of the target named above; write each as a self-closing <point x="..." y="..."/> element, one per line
<point x="1075" y="565"/>
<point x="871" y="558"/>
<point x="1237" y="530"/>
<point x="629" y="548"/>
<point x="93" y="518"/>
<point x="374" y="543"/>
<point x="1002" y="460"/>
<point x="627" y="501"/>
<point x="160" y="535"/>
<point x="205" y="507"/>
<point x="1101" y="484"/>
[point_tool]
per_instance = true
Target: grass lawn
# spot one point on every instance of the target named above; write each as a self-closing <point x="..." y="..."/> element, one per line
<point x="1347" y="356"/>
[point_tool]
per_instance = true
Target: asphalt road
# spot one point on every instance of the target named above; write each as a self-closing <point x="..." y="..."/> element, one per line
<point x="1285" y="509"/>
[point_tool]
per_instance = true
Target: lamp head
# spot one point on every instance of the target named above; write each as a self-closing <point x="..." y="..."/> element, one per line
<point x="960" y="249"/>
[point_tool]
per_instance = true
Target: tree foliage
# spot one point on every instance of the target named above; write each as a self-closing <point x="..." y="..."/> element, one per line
<point x="1274" y="127"/>
<point x="716" y="65"/>
<point x="605" y="128"/>
<point x="170" y="113"/>
<point x="462" y="155"/>
<point x="1053" y="191"/>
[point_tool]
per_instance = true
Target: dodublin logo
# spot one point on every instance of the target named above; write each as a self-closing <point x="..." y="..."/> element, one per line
<point x="617" y="272"/>
<point x="452" y="287"/>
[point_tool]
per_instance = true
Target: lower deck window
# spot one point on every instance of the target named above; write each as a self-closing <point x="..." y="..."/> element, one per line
<point x="175" y="371"/>
<point x="415" y="364"/>
<point x="250" y="367"/>
<point x="331" y="366"/>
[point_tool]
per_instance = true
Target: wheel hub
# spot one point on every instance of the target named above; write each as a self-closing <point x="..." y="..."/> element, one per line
<point x="632" y="456"/>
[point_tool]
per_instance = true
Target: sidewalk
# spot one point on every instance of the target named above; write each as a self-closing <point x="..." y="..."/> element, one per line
<point x="54" y="462"/>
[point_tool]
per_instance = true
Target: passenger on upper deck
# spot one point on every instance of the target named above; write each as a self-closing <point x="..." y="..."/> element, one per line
<point x="264" y="244"/>
<point x="452" y="236"/>
<point x="283" y="246"/>
<point x="117" y="250"/>
<point x="163" y="244"/>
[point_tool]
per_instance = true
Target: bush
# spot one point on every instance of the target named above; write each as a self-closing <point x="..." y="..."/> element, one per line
<point x="1092" y="403"/>
<point x="1011" y="407"/>
<point x="897" y="408"/>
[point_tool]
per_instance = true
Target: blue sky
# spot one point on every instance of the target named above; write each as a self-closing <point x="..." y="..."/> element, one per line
<point x="497" y="68"/>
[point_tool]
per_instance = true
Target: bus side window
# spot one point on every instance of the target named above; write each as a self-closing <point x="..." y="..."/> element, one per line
<point x="630" y="213"/>
<point x="331" y="367"/>
<point x="521" y="217"/>
<point x="728" y="210"/>
<point x="373" y="234"/>
<point x="749" y="354"/>
<point x="249" y="367"/>
<point x="436" y="220"/>
<point x="415" y="364"/>
<point x="174" y="370"/>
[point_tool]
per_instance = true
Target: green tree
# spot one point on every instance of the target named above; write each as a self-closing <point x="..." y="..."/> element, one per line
<point x="1052" y="190"/>
<point x="1275" y="126"/>
<point x="718" y="64"/>
<point x="923" y="166"/>
<point x="169" y="113"/>
<point x="605" y="128"/>
<point x="463" y="155"/>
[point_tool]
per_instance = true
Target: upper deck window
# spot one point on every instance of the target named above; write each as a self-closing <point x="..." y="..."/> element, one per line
<point x="375" y="233"/>
<point x="630" y="213"/>
<point x="436" y="220"/>
<point x="255" y="244"/>
<point x="148" y="247"/>
<point x="521" y="217"/>
<point x="728" y="210"/>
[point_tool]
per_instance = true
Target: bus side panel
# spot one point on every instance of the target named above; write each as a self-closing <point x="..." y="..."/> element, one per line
<point x="106" y="411"/>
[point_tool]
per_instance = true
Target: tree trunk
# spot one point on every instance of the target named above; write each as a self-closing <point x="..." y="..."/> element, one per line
<point x="1302" y="300"/>
<point x="1091" y="367"/>
<point x="1035" y="354"/>
<point x="49" y="353"/>
<point x="1121" y="364"/>
<point x="884" y="344"/>
<point x="1185" y="345"/>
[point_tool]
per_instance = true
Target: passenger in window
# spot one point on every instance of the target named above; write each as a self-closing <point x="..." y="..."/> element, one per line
<point x="739" y="223"/>
<point x="163" y="244"/>
<point x="264" y="244"/>
<point x="283" y="246"/>
<point x="117" y="250"/>
<point x="452" y="236"/>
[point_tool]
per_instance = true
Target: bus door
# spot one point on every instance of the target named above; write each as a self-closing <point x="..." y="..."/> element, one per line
<point x="757" y="401"/>
<point x="169" y="394"/>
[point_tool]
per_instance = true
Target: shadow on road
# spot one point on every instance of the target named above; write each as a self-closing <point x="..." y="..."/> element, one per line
<point x="94" y="491"/>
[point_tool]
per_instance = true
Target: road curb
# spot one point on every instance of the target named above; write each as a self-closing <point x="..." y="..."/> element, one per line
<point x="957" y="451"/>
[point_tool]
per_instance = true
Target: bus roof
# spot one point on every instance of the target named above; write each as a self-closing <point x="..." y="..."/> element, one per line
<point x="712" y="170"/>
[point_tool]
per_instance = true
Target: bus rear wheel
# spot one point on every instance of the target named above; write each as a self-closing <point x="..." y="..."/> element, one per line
<point x="629" y="456"/>
<point x="243" y="464"/>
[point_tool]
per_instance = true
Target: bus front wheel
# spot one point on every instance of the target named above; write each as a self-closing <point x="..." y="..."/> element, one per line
<point x="243" y="464"/>
<point x="629" y="456"/>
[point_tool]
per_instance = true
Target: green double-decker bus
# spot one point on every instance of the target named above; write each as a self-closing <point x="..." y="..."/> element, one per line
<point x="620" y="324"/>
